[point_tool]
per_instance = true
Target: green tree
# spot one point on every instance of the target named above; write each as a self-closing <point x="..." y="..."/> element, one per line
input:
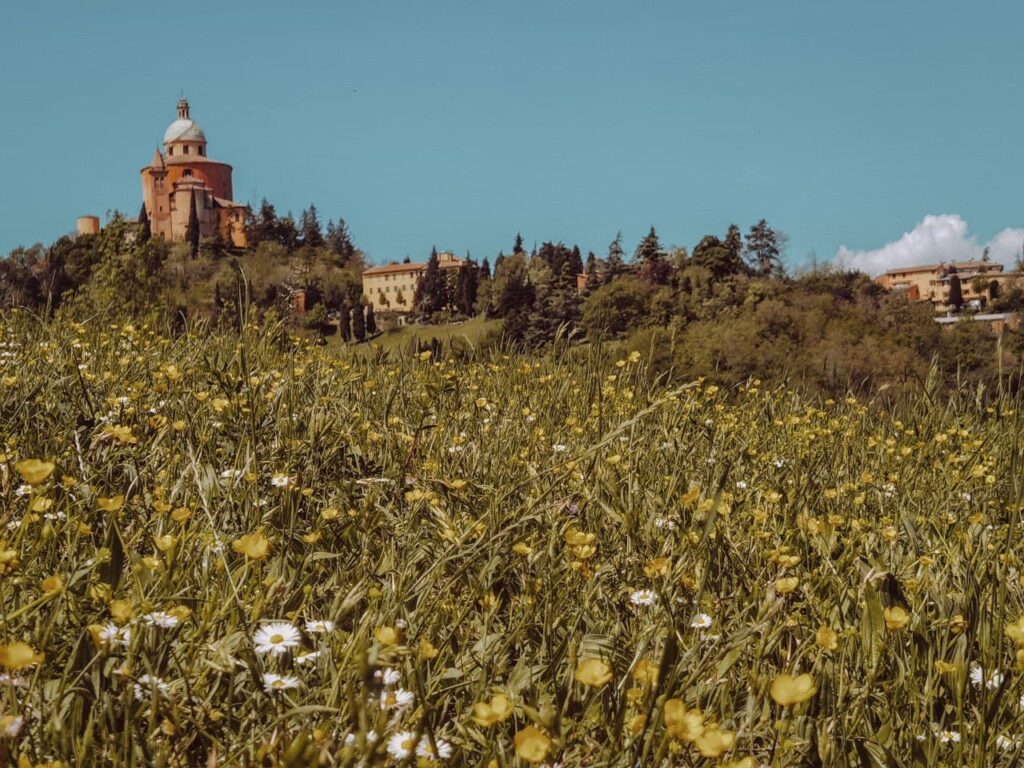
<point x="345" y="322"/>
<point x="764" y="250"/>
<point x="309" y="226"/>
<point x="145" y="230"/>
<point x="192" y="228"/>
<point x="432" y="288"/>
<point x="358" y="323"/>
<point x="371" y="321"/>
<point x="721" y="261"/>
<point x="617" y="307"/>
<point x="616" y="262"/>
<point x="956" y="294"/>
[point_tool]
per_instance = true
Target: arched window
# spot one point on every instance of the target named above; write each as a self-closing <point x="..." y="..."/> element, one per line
<point x="186" y="149"/>
<point x="202" y="151"/>
<point x="188" y="172"/>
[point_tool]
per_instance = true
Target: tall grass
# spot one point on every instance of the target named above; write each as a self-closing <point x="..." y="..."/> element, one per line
<point x="521" y="560"/>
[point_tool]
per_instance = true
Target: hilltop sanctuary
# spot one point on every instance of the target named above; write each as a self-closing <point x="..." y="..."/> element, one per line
<point x="183" y="183"/>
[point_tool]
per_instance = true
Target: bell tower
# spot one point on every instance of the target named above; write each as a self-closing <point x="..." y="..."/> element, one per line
<point x="183" y="110"/>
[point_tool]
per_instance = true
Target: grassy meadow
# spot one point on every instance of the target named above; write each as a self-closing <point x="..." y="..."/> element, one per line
<point x="244" y="549"/>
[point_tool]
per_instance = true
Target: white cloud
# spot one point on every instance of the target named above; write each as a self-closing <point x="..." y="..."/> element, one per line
<point x="935" y="239"/>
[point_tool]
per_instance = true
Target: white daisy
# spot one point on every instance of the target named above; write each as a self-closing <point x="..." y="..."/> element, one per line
<point x="11" y="726"/>
<point x="949" y="736"/>
<point x="978" y="677"/>
<point x="231" y="474"/>
<point x="280" y="481"/>
<point x="319" y="625"/>
<point x="307" y="658"/>
<point x="397" y="699"/>
<point x="161" y="619"/>
<point x="352" y="739"/>
<point x="402" y="745"/>
<point x="387" y="676"/>
<point x="13" y="682"/>
<point x="701" y="621"/>
<point x="148" y="683"/>
<point x="276" y="638"/>
<point x="111" y="635"/>
<point x="643" y="597"/>
<point x="1005" y="743"/>
<point x="273" y="683"/>
<point x="426" y="750"/>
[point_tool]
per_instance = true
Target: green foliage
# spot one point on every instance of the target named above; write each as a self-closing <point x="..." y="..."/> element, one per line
<point x="617" y="307"/>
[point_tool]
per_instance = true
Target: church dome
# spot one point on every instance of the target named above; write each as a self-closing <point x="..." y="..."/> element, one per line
<point x="184" y="129"/>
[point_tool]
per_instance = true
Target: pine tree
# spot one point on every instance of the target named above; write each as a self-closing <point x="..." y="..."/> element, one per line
<point x="764" y="249"/>
<point x="263" y="227"/>
<point x="734" y="246"/>
<point x="339" y="240"/>
<point x="485" y="270"/>
<point x="309" y="226"/>
<point x="467" y="283"/>
<point x="431" y="290"/>
<point x="649" y="248"/>
<point x="518" y="247"/>
<point x="358" y="323"/>
<point x="616" y="258"/>
<point x="192" y="229"/>
<point x="145" y="229"/>
<point x="371" y="321"/>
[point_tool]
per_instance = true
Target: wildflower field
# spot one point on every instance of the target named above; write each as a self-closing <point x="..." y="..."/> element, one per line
<point x="241" y="549"/>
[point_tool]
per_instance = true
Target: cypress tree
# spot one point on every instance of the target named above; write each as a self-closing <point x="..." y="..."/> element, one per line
<point x="145" y="229"/>
<point x="192" y="230"/>
<point x="344" y="323"/>
<point x="358" y="323"/>
<point x="371" y="321"/>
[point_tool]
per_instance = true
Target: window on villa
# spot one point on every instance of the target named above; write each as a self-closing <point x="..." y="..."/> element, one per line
<point x="202" y="151"/>
<point x="188" y="172"/>
<point x="186" y="149"/>
<point x="170" y="151"/>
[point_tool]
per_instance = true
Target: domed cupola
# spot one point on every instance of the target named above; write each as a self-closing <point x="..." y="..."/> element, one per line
<point x="184" y="136"/>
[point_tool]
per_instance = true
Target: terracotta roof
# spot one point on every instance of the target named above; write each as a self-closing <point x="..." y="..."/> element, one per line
<point x="222" y="203"/>
<point x="935" y="267"/>
<point x="390" y="269"/>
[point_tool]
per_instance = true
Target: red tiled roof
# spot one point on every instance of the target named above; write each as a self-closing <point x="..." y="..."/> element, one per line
<point x="390" y="269"/>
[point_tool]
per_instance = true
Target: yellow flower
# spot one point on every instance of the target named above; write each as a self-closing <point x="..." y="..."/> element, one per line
<point x="746" y="762"/>
<point x="1015" y="631"/>
<point x="427" y="651"/>
<point x="386" y="635"/>
<point x="531" y="745"/>
<point x="714" y="742"/>
<point x="896" y="618"/>
<point x="683" y="723"/>
<point x="181" y="514"/>
<point x="111" y="504"/>
<point x="787" y="689"/>
<point x="52" y="584"/>
<point x="636" y="724"/>
<point x="255" y="546"/>
<point x="121" y="611"/>
<point x="593" y="672"/>
<point x="330" y="513"/>
<point x="19" y="656"/>
<point x="786" y="584"/>
<point x="34" y="471"/>
<point x="493" y="712"/>
<point x="657" y="567"/>
<point x="646" y="671"/>
<point x="827" y="638"/>
<point x="944" y="667"/>
<point x="576" y="538"/>
<point x="165" y="542"/>
<point x="521" y="548"/>
<point x="40" y="504"/>
<point x="121" y="434"/>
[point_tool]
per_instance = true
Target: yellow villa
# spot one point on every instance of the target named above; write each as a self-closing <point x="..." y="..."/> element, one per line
<point x="393" y="286"/>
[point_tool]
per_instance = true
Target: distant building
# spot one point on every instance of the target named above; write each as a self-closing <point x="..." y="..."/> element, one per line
<point x="183" y="176"/>
<point x="980" y="282"/>
<point x="393" y="286"/>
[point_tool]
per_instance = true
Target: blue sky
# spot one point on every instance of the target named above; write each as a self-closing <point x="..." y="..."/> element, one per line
<point x="459" y="123"/>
